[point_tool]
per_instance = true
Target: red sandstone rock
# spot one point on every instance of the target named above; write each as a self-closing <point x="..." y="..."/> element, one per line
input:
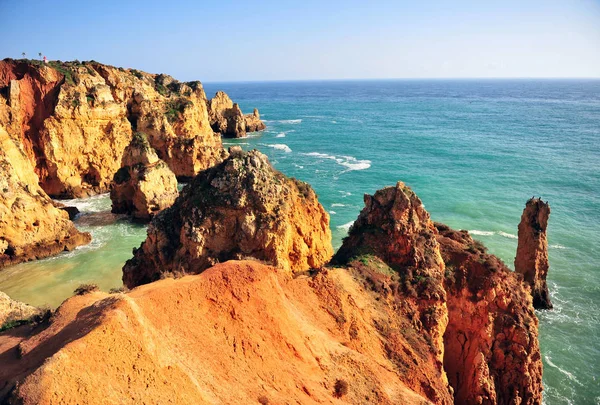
<point x="532" y="251"/>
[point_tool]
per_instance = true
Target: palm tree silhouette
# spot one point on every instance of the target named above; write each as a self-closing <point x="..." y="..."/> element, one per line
<point x="40" y="55"/>
<point x="24" y="54"/>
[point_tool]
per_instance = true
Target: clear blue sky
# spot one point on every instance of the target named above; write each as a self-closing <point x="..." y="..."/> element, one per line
<point x="281" y="40"/>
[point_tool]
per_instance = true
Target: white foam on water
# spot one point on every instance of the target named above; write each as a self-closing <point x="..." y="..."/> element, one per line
<point x="298" y="166"/>
<point x="507" y="235"/>
<point x="557" y="246"/>
<point x="332" y="212"/>
<point x="562" y="370"/>
<point x="280" y="146"/>
<point x="298" y="121"/>
<point x="345" y="193"/>
<point x="280" y="135"/>
<point x="338" y="205"/>
<point x="350" y="162"/>
<point x="346" y="226"/>
<point x="481" y="233"/>
<point x="334" y="122"/>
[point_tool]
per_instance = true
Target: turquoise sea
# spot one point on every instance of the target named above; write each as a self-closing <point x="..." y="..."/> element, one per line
<point x="473" y="150"/>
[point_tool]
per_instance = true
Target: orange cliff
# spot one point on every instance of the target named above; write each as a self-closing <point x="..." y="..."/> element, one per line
<point x="532" y="251"/>
<point x="74" y="120"/>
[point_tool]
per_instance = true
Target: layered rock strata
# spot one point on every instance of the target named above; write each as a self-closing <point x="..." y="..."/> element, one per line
<point x="31" y="227"/>
<point x="227" y="118"/>
<point x="76" y="119"/>
<point x="239" y="208"/>
<point x="532" y="251"/>
<point x="144" y="185"/>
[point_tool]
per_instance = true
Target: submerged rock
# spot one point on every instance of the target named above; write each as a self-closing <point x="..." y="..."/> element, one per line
<point x="227" y="118"/>
<point x="532" y="251"/>
<point x="239" y="208"/>
<point x="144" y="185"/>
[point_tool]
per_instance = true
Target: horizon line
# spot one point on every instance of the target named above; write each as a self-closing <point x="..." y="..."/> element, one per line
<point x="404" y="78"/>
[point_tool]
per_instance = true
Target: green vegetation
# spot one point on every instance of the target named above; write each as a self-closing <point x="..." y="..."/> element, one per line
<point x="174" y="108"/>
<point x="63" y="69"/>
<point x="85" y="289"/>
<point x="137" y="73"/>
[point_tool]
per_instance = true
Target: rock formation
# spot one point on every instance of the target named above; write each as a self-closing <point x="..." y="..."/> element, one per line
<point x="239" y="208"/>
<point x="395" y="228"/>
<point x="492" y="355"/>
<point x="227" y="118"/>
<point x="240" y="332"/>
<point x="13" y="312"/>
<point x="532" y="251"/>
<point x="144" y="185"/>
<point x="76" y="119"/>
<point x="31" y="227"/>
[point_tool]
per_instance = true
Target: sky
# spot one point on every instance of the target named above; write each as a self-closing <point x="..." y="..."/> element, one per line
<point x="219" y="41"/>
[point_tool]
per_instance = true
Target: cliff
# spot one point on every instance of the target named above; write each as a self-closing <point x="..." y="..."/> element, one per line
<point x="532" y="251"/>
<point x="31" y="227"/>
<point x="14" y="312"/>
<point x="239" y="208"/>
<point x="227" y="118"/>
<point x="144" y="185"/>
<point x="492" y="354"/>
<point x="75" y="120"/>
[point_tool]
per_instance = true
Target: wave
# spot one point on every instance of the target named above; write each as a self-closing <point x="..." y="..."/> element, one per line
<point x="557" y="246"/>
<point x="569" y="375"/>
<point x="338" y="205"/>
<point x="280" y="135"/>
<point x="346" y="226"/>
<point x="507" y="235"/>
<point x="332" y="212"/>
<point x="481" y="233"/>
<point x="298" y="166"/>
<point x="350" y="162"/>
<point x="280" y="146"/>
<point x="296" y="121"/>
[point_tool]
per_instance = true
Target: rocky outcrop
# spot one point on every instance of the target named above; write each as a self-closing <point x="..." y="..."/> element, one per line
<point x="532" y="251"/>
<point x="492" y="355"/>
<point x="76" y="119"/>
<point x="14" y="312"/>
<point x="144" y="185"/>
<point x="31" y="227"/>
<point x="240" y="332"/>
<point x="239" y="208"/>
<point x="227" y="118"/>
<point x="395" y="228"/>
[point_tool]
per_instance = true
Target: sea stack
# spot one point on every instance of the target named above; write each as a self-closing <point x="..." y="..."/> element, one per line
<point x="532" y="252"/>
<point x="144" y="185"/>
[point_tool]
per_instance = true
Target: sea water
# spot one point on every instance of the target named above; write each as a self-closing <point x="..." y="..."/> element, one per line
<point x="473" y="150"/>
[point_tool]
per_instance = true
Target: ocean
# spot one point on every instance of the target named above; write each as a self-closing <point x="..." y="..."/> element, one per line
<point x="473" y="150"/>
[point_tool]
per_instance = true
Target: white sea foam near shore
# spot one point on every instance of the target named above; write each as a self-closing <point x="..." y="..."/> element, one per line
<point x="349" y="162"/>
<point x="279" y="146"/>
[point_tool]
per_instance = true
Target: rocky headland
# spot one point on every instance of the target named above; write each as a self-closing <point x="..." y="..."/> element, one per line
<point x="408" y="311"/>
<point x="64" y="130"/>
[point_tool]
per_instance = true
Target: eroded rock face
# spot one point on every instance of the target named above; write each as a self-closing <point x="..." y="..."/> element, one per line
<point x="239" y="333"/>
<point x="492" y="355"/>
<point x="239" y="208"/>
<point x="31" y="227"/>
<point x="227" y="118"/>
<point x="76" y="119"/>
<point x="14" y="311"/>
<point x="144" y="185"/>
<point x="532" y="251"/>
<point x="395" y="228"/>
